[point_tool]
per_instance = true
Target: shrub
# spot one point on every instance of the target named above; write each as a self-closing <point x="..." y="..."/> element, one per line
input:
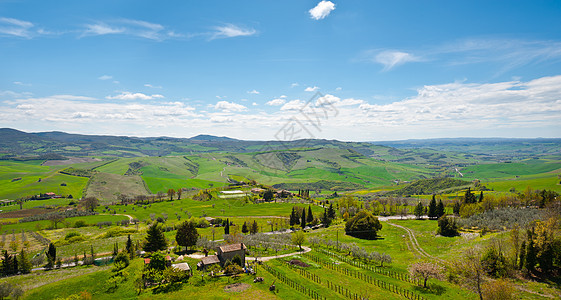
<point x="498" y="219"/>
<point x="80" y="223"/>
<point x="494" y="262"/>
<point x="71" y="234"/>
<point x="123" y="259"/>
<point x="233" y="269"/>
<point x="363" y="225"/>
<point x="447" y="226"/>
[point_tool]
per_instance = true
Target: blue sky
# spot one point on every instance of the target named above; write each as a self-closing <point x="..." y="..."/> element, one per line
<point x="387" y="70"/>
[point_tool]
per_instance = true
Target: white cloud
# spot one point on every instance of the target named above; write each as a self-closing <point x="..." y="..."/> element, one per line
<point x="226" y="106"/>
<point x="134" y="96"/>
<point x="153" y="86"/>
<point x="22" y="83"/>
<point x="254" y="104"/>
<point x="293" y="105"/>
<point x="338" y="88"/>
<point x="390" y="59"/>
<point x="15" y="27"/>
<point x="311" y="89"/>
<point x="231" y="30"/>
<point x="105" y="77"/>
<point x="253" y="92"/>
<point x="276" y="102"/>
<point x="295" y="84"/>
<point x="322" y="10"/>
<point x="327" y="99"/>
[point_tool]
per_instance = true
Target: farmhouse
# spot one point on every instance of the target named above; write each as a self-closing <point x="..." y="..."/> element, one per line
<point x="224" y="254"/>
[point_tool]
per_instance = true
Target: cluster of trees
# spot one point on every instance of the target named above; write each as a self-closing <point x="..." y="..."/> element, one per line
<point x="303" y="193"/>
<point x="447" y="226"/>
<point x="298" y="216"/>
<point x="363" y="225"/>
<point x="253" y="229"/>
<point x="14" y="264"/>
<point x="157" y="273"/>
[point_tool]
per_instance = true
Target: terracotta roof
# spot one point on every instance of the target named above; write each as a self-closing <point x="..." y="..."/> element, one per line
<point x="146" y="261"/>
<point x="209" y="260"/>
<point x="232" y="247"/>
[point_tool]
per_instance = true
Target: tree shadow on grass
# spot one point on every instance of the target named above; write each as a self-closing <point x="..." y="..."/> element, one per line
<point x="167" y="288"/>
<point x="434" y="289"/>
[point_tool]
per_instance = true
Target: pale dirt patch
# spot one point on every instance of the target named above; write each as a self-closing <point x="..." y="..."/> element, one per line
<point x="74" y="160"/>
<point x="236" y="287"/>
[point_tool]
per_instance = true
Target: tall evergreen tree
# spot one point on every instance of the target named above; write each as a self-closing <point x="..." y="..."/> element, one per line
<point x="456" y="208"/>
<point x="7" y="266"/>
<point x="155" y="239"/>
<point x="254" y="227"/>
<point x="115" y="249"/>
<point x="419" y="209"/>
<point x="325" y="220"/>
<point x="51" y="252"/>
<point x="432" y="213"/>
<point x="309" y="216"/>
<point x="24" y="263"/>
<point x="331" y="212"/>
<point x="227" y="227"/>
<point x="440" y="209"/>
<point x="469" y="197"/>
<point x="303" y="221"/>
<point x="481" y="196"/>
<point x="293" y="217"/>
<point x="245" y="229"/>
<point x="129" y="247"/>
<point x="531" y="255"/>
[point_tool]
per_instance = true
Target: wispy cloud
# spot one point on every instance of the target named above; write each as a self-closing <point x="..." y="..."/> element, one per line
<point x="390" y="59"/>
<point x="322" y="10"/>
<point x="105" y="77"/>
<point x="507" y="53"/>
<point x="130" y="27"/>
<point x="231" y="30"/>
<point x="153" y="86"/>
<point x="15" y="27"/>
<point x="311" y="89"/>
<point x="255" y="92"/>
<point x="134" y="96"/>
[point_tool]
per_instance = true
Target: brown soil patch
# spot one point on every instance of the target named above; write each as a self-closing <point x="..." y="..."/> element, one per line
<point x="22" y="213"/>
<point x="297" y="262"/>
<point x="236" y="287"/>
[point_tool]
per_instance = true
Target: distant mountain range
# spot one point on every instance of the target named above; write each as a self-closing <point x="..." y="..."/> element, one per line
<point x="15" y="143"/>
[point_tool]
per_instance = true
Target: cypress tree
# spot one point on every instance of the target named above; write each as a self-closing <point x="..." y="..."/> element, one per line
<point x="456" y="208"/>
<point x="331" y="212"/>
<point x="24" y="263"/>
<point x="292" y="217"/>
<point x="7" y="264"/>
<point x="481" y="196"/>
<point x="129" y="247"/>
<point x="51" y="252"/>
<point x="432" y="213"/>
<point x="244" y="228"/>
<point x="440" y="209"/>
<point x="309" y="216"/>
<point x="531" y="255"/>
<point x="254" y="227"/>
<point x="227" y="227"/>
<point x="522" y="261"/>
<point x="303" y="221"/>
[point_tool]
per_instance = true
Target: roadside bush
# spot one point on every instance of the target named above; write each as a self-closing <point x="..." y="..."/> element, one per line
<point x="233" y="269"/>
<point x="123" y="259"/>
<point x="80" y="223"/>
<point x="447" y="226"/>
<point x="118" y="231"/>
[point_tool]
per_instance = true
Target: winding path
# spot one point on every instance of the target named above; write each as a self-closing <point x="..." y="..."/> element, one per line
<point x="414" y="242"/>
